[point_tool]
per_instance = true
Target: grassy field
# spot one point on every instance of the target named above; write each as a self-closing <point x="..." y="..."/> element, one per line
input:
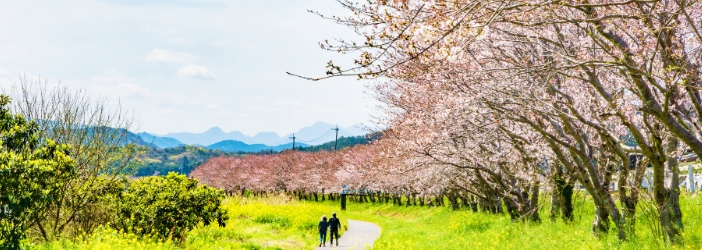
<point x="255" y="223"/>
<point x="281" y="223"/>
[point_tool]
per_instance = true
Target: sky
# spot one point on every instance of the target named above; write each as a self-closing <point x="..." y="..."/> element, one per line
<point x="186" y="65"/>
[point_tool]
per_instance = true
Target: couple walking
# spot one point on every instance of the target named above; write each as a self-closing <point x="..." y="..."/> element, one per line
<point x="333" y="225"/>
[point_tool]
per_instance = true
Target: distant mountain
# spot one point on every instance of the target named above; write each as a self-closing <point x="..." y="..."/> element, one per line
<point x="318" y="133"/>
<point x="208" y="137"/>
<point x="160" y="142"/>
<point x="238" y="146"/>
<point x="268" y="138"/>
<point x="129" y="137"/>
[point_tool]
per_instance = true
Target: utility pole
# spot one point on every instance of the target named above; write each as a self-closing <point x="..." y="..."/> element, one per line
<point x="336" y="139"/>
<point x="293" y="138"/>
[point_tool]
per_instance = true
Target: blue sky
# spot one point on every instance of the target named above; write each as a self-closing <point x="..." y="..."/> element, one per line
<point x="186" y="65"/>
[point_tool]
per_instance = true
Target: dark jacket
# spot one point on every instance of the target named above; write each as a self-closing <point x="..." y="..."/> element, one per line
<point x="334" y="224"/>
<point x="323" y="225"/>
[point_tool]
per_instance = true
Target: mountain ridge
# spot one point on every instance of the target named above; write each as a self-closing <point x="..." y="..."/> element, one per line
<point x="317" y="133"/>
<point x="238" y="146"/>
<point x="159" y="141"/>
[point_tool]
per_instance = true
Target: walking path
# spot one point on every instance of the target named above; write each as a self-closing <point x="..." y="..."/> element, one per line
<point x="360" y="235"/>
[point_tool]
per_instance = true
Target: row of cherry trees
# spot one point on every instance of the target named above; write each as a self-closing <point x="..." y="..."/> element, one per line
<point x="502" y="101"/>
<point x="505" y="98"/>
<point x="364" y="170"/>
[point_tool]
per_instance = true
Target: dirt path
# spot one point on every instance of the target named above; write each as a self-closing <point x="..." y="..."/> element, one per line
<point x="360" y="235"/>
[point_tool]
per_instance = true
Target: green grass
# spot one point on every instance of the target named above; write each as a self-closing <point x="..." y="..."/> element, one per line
<point x="283" y="223"/>
<point x="255" y="223"/>
<point x="440" y="228"/>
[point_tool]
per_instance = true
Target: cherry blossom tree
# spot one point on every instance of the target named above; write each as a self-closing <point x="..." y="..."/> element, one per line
<point x="572" y="78"/>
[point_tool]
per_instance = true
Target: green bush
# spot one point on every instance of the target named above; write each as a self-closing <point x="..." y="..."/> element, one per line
<point x="32" y="172"/>
<point x="102" y="149"/>
<point x="167" y="207"/>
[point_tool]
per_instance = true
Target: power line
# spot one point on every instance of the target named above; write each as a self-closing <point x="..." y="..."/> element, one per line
<point x="286" y="142"/>
<point x="347" y="134"/>
<point x="328" y="133"/>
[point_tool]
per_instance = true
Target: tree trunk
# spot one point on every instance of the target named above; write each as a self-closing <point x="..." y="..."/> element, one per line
<point x="343" y="202"/>
<point x="512" y="211"/>
<point x="453" y="200"/>
<point x="629" y="194"/>
<point x="534" y="203"/>
<point x="555" y="210"/>
<point x="498" y="204"/>
<point x="561" y="197"/>
<point x="668" y="196"/>
<point x="601" y="223"/>
<point x="464" y="201"/>
<point x="473" y="204"/>
<point x="566" y="203"/>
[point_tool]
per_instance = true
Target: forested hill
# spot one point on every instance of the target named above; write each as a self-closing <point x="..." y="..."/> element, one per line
<point x="182" y="159"/>
<point x="185" y="158"/>
<point x="344" y="142"/>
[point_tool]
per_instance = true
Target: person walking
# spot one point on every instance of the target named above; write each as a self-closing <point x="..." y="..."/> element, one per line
<point x="334" y="225"/>
<point x="323" y="225"/>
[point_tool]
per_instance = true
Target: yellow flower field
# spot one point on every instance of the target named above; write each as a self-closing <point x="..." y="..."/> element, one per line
<point x="279" y="222"/>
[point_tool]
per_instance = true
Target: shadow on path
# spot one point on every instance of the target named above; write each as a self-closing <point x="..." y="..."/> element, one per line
<point x="360" y="235"/>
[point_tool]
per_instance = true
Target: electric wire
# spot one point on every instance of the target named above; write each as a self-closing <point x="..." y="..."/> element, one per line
<point x="347" y="134"/>
<point x="325" y="135"/>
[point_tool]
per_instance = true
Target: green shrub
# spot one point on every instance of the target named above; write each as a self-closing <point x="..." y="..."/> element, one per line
<point x="167" y="207"/>
<point x="102" y="149"/>
<point x="32" y="172"/>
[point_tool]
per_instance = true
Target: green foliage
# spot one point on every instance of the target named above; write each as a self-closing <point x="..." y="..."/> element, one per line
<point x="32" y="173"/>
<point x="183" y="159"/>
<point x="167" y="207"/>
<point x="344" y="142"/>
<point x="102" y="149"/>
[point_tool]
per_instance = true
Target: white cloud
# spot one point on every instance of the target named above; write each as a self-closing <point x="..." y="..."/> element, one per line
<point x="195" y="71"/>
<point x="111" y="83"/>
<point x="205" y="101"/>
<point x="161" y="55"/>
